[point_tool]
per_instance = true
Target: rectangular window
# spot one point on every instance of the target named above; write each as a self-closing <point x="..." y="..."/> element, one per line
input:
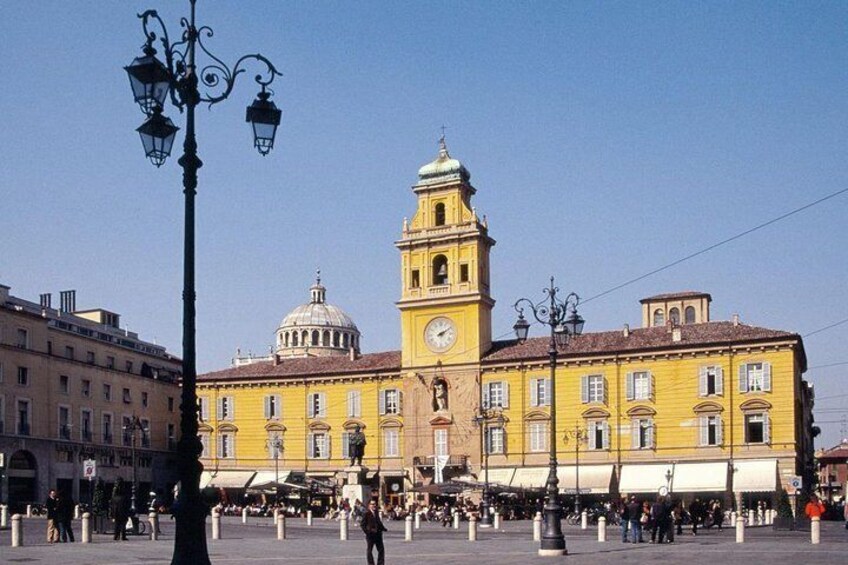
<point x="711" y="381"/>
<point x="170" y="404"/>
<point x="85" y="426"/>
<point x="592" y="389"/>
<point x="203" y="408"/>
<point x="540" y="392"/>
<point x="440" y="442"/>
<point x="110" y="362"/>
<point x="85" y="388"/>
<point x="145" y="433"/>
<point x="494" y="440"/>
<point x="64" y="384"/>
<point x="354" y="404"/>
<point x="272" y="407"/>
<point x="64" y="422"/>
<point x="23" y="376"/>
<point x="89" y="357"/>
<point x="171" y="436"/>
<point x="69" y="352"/>
<point x="23" y="418"/>
<point x="639" y="386"/>
<point x="416" y="278"/>
<point x="144" y="399"/>
<point x="346" y="445"/>
<point x="496" y="394"/>
<point x="226" y="446"/>
<point x="390" y="443"/>
<point x="389" y="401"/>
<point x="23" y="338"/>
<point x="316" y="407"/>
<point x="319" y="445"/>
<point x="538" y="437"/>
<point x="463" y="272"/>
<point x="126" y="396"/>
<point x="106" y="420"/>
<point x="127" y="431"/>
<point x="49" y="347"/>
<point x="107" y="392"/>
<point x="755" y="377"/>
<point x="226" y="408"/>
<point x="710" y="430"/>
<point x="756" y="428"/>
<point x="598" y="436"/>
<point x="129" y="366"/>
<point x="204" y="441"/>
<point x="642" y="433"/>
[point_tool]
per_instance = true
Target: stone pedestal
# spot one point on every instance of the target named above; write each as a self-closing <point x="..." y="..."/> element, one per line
<point x="354" y="489"/>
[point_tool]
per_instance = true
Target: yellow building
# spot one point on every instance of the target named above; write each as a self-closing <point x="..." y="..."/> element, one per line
<point x="71" y="382"/>
<point x="686" y="403"/>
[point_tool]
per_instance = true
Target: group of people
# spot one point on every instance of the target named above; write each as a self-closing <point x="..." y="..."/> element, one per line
<point x="664" y="518"/>
<point x="60" y="515"/>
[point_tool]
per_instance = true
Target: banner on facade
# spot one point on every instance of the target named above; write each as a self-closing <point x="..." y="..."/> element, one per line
<point x="440" y="464"/>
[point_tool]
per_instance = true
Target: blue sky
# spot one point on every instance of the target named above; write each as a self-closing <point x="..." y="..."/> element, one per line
<point x="605" y="140"/>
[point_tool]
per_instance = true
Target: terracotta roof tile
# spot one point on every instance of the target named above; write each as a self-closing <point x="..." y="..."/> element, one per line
<point x="309" y="366"/>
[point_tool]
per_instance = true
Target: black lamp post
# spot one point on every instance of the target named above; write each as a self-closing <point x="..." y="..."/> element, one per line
<point x="276" y="446"/>
<point x="133" y="425"/>
<point x="580" y="436"/>
<point x="482" y="419"/>
<point x="562" y="318"/>
<point x="179" y="79"/>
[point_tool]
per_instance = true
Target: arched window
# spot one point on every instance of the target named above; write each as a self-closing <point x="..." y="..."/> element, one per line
<point x="304" y="337"/>
<point x="659" y="317"/>
<point x="294" y="339"/>
<point x="314" y="337"/>
<point x="440" y="270"/>
<point x="325" y="338"/>
<point x="690" y="314"/>
<point x="285" y="339"/>
<point x="674" y="316"/>
<point x="335" y="339"/>
<point x="440" y="214"/>
<point x="344" y="341"/>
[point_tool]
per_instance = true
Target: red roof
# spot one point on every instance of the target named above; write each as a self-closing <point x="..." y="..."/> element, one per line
<point x="309" y="366"/>
<point x="677" y="295"/>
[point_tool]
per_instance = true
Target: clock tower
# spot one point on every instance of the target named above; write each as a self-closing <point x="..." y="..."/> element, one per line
<point x="445" y="303"/>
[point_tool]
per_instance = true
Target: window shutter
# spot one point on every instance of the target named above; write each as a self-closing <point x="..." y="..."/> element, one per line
<point x="310" y="445"/>
<point x="719" y="425"/>
<point x="534" y="392"/>
<point x="400" y="401"/>
<point x="629" y="387"/>
<point x="719" y="381"/>
<point x="322" y="405"/>
<point x="604" y="390"/>
<point x="651" y="386"/>
<point x="743" y="378"/>
<point x="703" y="428"/>
<point x="232" y="446"/>
<point x="584" y="389"/>
<point x="328" y="439"/>
<point x="505" y="386"/>
<point x="381" y="401"/>
<point x="767" y="377"/>
<point x="548" y="392"/>
<point x="486" y="395"/>
<point x="204" y="409"/>
<point x="220" y="449"/>
<point x="766" y="428"/>
<point x="605" y="432"/>
<point x="350" y="401"/>
<point x="634" y="434"/>
<point x="232" y="406"/>
<point x="345" y="445"/>
<point x="267" y="407"/>
<point x="279" y="413"/>
<point x="310" y="406"/>
<point x="220" y="409"/>
<point x="651" y="434"/>
<point x="702" y="381"/>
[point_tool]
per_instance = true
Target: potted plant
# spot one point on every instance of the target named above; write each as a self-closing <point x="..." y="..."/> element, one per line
<point x="785" y="519"/>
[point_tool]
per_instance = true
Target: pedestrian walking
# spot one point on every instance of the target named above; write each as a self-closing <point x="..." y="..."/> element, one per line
<point x="51" y="506"/>
<point x="718" y="515"/>
<point x="374" y="528"/>
<point x="624" y="518"/>
<point x="814" y="507"/>
<point x="634" y="510"/>
<point x="65" y="513"/>
<point x="696" y="514"/>
<point x="119" y="509"/>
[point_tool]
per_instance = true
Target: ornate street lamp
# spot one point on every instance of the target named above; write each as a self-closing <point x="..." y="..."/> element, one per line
<point x="179" y="79"/>
<point x="554" y="313"/>
<point x="133" y="425"/>
<point x="482" y="419"/>
<point x="275" y="446"/>
<point x="580" y="436"/>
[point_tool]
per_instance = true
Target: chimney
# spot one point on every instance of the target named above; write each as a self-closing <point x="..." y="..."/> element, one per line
<point x="352" y="353"/>
<point x="46" y="300"/>
<point x="735" y="320"/>
<point x="626" y="330"/>
<point x="68" y="299"/>
<point x="4" y="294"/>
<point x="676" y="334"/>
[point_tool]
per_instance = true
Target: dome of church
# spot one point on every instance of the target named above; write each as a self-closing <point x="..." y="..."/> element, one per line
<point x="317" y="328"/>
<point x="444" y="167"/>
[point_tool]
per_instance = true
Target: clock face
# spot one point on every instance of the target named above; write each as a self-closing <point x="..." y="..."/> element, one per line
<point x="440" y="334"/>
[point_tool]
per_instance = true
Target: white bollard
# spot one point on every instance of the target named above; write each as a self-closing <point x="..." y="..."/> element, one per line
<point x="497" y="520"/>
<point x="472" y="528"/>
<point x="407" y="531"/>
<point x="4" y="516"/>
<point x="584" y="520"/>
<point x="281" y="527"/>
<point x="456" y="520"/>
<point x="276" y="515"/>
<point x="29" y="510"/>
<point x="761" y="517"/>
<point x="537" y="527"/>
<point x="602" y="529"/>
<point x="77" y="512"/>
<point x="740" y="529"/>
<point x="216" y="524"/>
<point x="733" y="518"/>
<point x="86" y="528"/>
<point x="815" y="530"/>
<point x="17" y="531"/>
<point x="244" y="515"/>
<point x="153" y="520"/>
<point x="309" y="517"/>
<point x="417" y="520"/>
<point x="772" y="516"/>
<point x="343" y="527"/>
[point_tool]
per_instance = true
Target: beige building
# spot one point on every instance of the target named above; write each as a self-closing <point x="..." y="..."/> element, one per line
<point x="71" y="384"/>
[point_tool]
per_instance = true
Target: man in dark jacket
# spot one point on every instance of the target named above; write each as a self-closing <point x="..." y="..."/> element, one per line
<point x="696" y="514"/>
<point x="119" y="509"/>
<point x="65" y="517"/>
<point x="51" y="505"/>
<point x="634" y="511"/>
<point x="374" y="528"/>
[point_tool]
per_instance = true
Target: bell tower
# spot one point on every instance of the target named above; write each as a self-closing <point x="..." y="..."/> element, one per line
<point x="445" y="300"/>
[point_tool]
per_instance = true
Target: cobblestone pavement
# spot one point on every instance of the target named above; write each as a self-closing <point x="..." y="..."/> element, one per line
<point x="256" y="542"/>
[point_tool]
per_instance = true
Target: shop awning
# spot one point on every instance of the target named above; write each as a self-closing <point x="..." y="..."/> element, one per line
<point x="225" y="479"/>
<point x="268" y="479"/>
<point x="643" y="478"/>
<point x="758" y="475"/>
<point x="699" y="477"/>
<point x="499" y="476"/>
<point x="594" y="479"/>
<point x="530" y="477"/>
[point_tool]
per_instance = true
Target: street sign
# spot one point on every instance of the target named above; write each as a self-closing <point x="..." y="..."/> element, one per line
<point x="796" y="482"/>
<point x="89" y="469"/>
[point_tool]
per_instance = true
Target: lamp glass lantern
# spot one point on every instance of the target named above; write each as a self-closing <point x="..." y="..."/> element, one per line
<point x="264" y="116"/>
<point x="150" y="81"/>
<point x="522" y="328"/>
<point x="574" y="323"/>
<point x="157" y="137"/>
<point x="561" y="335"/>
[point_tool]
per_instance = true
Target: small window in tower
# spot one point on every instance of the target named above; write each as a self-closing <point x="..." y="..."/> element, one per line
<point x="440" y="214"/>
<point x="325" y="338"/>
<point x="659" y="317"/>
<point x="440" y="270"/>
<point x="294" y="339"/>
<point x="416" y="278"/>
<point x="689" y="314"/>
<point x="314" y="337"/>
<point x="463" y="273"/>
<point x="335" y="339"/>
<point x="674" y="316"/>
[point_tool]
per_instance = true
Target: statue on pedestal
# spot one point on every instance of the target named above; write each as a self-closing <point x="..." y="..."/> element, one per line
<point x="356" y="446"/>
<point x="440" y="395"/>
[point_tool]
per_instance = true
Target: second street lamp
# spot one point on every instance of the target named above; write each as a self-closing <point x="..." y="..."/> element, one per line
<point x="180" y="80"/>
<point x="562" y="319"/>
<point x="482" y="419"/>
<point x="134" y="424"/>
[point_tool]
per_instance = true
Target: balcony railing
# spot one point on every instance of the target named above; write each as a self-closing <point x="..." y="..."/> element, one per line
<point x="23" y="429"/>
<point x="64" y="432"/>
<point x="107" y="438"/>
<point x="430" y="461"/>
<point x="86" y="435"/>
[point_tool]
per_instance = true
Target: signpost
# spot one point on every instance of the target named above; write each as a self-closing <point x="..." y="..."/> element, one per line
<point x="796" y="483"/>
<point x="89" y="471"/>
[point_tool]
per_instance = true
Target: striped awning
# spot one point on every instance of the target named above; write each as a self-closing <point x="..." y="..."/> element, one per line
<point x="501" y="476"/>
<point x="530" y="477"/>
<point x="226" y="479"/>
<point x="594" y="479"/>
<point x="757" y="475"/>
<point x="268" y="479"/>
